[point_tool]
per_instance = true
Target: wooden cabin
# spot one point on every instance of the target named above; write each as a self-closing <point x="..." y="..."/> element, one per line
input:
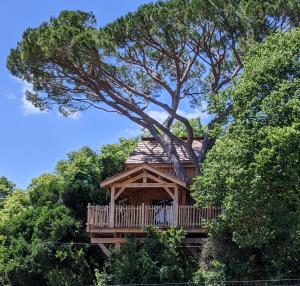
<point x="148" y="193"/>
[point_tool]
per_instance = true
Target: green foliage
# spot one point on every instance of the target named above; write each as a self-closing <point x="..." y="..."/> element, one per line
<point x="158" y="260"/>
<point x="160" y="55"/>
<point x="254" y="171"/>
<point x="13" y="205"/>
<point x="214" y="276"/>
<point x="180" y="130"/>
<point x="40" y="228"/>
<point x="113" y="156"/>
<point x="100" y="278"/>
<point x="6" y="187"/>
<point x="222" y="259"/>
<point x="81" y="173"/>
<point x="31" y="248"/>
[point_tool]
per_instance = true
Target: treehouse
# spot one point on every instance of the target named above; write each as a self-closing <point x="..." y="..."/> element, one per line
<point x="148" y="193"/>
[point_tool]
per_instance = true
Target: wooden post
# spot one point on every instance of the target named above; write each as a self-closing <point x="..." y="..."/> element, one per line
<point x="112" y="208"/>
<point x="145" y="177"/>
<point x="104" y="249"/>
<point x="88" y="223"/>
<point x="175" y="207"/>
<point x="143" y="214"/>
<point x="183" y="192"/>
<point x="209" y="212"/>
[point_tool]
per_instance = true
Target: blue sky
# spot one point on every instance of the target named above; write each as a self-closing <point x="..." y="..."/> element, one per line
<point x="32" y="142"/>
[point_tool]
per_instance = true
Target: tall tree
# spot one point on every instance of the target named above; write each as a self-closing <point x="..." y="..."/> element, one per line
<point x="157" y="57"/>
<point x="254" y="171"/>
<point x="6" y="188"/>
<point x="43" y="239"/>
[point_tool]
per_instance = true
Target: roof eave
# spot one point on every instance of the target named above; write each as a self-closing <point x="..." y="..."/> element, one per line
<point x="146" y="166"/>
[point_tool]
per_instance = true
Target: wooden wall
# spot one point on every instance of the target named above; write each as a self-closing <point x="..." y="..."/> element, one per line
<point x="147" y="196"/>
<point x="167" y="168"/>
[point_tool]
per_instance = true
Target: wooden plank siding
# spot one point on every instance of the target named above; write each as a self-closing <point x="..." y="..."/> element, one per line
<point x="148" y="195"/>
<point x="168" y="169"/>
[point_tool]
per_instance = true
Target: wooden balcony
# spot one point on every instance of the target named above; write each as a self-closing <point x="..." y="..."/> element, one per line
<point x="139" y="216"/>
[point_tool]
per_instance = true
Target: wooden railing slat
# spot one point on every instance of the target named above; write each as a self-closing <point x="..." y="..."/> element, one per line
<point x="145" y="215"/>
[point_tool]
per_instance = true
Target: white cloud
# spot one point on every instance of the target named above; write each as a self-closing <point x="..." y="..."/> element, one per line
<point x="27" y="107"/>
<point x="196" y="113"/>
<point x="75" y="115"/>
<point x="161" y="116"/>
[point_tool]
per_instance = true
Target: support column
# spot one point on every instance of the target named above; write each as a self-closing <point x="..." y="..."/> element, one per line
<point x="88" y="224"/>
<point x="104" y="249"/>
<point x="184" y="194"/>
<point x="175" y="207"/>
<point x="143" y="214"/>
<point x="112" y="207"/>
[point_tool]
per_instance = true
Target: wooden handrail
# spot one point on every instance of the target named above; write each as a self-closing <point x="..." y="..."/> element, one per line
<point x="136" y="216"/>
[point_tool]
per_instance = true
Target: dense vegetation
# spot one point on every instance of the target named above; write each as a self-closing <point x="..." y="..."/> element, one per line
<point x="42" y="229"/>
<point x="160" y="259"/>
<point x="252" y="170"/>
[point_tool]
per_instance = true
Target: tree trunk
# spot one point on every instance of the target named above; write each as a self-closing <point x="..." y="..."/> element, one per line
<point x="194" y="159"/>
<point x="207" y="144"/>
<point x="169" y="147"/>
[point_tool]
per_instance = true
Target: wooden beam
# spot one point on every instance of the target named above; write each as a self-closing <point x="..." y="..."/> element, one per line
<point x="160" y="165"/>
<point x="112" y="194"/>
<point x="89" y="210"/>
<point x="121" y="175"/>
<point x="104" y="249"/>
<point x="113" y="240"/>
<point x="176" y="195"/>
<point x="143" y="166"/>
<point x="144" y="176"/>
<point x="157" y="179"/>
<point x="112" y="207"/>
<point x="126" y="183"/>
<point x="169" y="192"/>
<point x="145" y="185"/>
<point x="175" y="207"/>
<point x="107" y="240"/>
<point x="183" y="193"/>
<point x="118" y="241"/>
<point x="163" y="184"/>
<point x="194" y="240"/>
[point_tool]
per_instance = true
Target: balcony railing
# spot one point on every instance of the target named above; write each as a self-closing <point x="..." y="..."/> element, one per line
<point x="138" y="216"/>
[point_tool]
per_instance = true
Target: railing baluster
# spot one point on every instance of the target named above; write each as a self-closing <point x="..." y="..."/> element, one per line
<point x="144" y="215"/>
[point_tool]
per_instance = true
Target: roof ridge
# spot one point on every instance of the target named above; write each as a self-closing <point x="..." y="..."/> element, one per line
<point x="149" y="138"/>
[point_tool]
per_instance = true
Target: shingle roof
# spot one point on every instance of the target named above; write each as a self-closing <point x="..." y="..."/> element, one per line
<point x="148" y="150"/>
